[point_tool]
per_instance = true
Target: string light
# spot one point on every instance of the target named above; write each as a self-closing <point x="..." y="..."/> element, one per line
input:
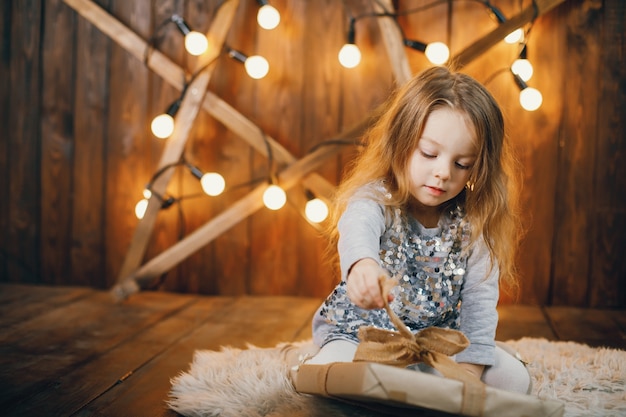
<point x="530" y="98"/>
<point x="436" y="52"/>
<point x="195" y="42"/>
<point x="514" y="37"/>
<point x="315" y="209"/>
<point x="213" y="184"/>
<point x="522" y="66"/>
<point x="162" y="126"/>
<point x="350" y="55"/>
<point x="267" y="17"/>
<point x="140" y="208"/>
<point x="274" y="197"/>
<point x="142" y="205"/>
<point x="256" y="66"/>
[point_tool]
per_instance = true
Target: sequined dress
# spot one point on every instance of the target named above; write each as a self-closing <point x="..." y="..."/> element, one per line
<point x="431" y="266"/>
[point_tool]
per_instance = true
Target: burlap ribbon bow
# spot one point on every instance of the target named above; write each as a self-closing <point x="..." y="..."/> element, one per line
<point x="432" y="346"/>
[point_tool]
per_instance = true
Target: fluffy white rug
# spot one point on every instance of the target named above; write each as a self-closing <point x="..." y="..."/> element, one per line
<point x="590" y="381"/>
<point x="253" y="382"/>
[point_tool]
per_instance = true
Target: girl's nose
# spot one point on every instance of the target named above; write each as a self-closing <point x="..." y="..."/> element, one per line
<point x="442" y="170"/>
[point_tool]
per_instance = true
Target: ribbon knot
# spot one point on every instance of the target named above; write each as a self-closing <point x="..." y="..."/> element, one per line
<point x="432" y="346"/>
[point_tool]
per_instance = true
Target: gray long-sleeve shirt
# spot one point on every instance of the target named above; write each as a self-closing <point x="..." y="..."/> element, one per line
<point x="365" y="231"/>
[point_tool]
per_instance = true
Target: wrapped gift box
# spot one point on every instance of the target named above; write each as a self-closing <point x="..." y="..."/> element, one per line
<point x="399" y="389"/>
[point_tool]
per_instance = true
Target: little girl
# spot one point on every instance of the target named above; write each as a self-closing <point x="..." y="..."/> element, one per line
<point x="430" y="202"/>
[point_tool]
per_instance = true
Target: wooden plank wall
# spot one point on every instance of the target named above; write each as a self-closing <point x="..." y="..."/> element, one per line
<point x="76" y="150"/>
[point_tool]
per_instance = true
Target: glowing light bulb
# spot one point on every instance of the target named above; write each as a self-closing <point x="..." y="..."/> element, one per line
<point x="196" y="43"/>
<point x="140" y="208"/>
<point x="514" y="37"/>
<point x="162" y="126"/>
<point x="523" y="68"/>
<point x="530" y="99"/>
<point x="256" y="66"/>
<point x="316" y="210"/>
<point x="274" y="197"/>
<point x="437" y="52"/>
<point x="212" y="183"/>
<point x="350" y="55"/>
<point x="268" y="17"/>
<point x="147" y="194"/>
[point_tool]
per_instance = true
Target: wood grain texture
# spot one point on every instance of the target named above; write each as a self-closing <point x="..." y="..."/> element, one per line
<point x="91" y="90"/>
<point x="577" y="160"/>
<point x="5" y="87"/>
<point x="175" y="145"/>
<point x="79" y="353"/>
<point x="24" y="168"/>
<point x="127" y="139"/>
<point x="69" y="192"/>
<point x="535" y="137"/>
<point x="57" y="145"/>
<point x="168" y="225"/>
<point x="607" y="275"/>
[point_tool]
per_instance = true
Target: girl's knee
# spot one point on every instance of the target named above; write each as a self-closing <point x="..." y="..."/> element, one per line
<point x="508" y="373"/>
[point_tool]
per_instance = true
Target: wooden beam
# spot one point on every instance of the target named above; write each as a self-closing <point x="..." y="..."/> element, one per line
<point x="127" y="281"/>
<point x="233" y="215"/>
<point x="175" y="76"/>
<point x="175" y="145"/>
<point x="171" y="154"/>
<point x="483" y="44"/>
<point x="393" y="42"/>
<point x="251" y="133"/>
<point x="128" y="40"/>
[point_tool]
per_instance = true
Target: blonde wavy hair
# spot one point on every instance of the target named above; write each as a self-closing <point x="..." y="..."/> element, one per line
<point x="491" y="199"/>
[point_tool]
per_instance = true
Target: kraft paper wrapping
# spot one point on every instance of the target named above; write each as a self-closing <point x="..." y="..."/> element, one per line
<point x="400" y="389"/>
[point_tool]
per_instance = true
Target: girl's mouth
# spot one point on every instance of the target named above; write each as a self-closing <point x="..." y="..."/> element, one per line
<point x="435" y="191"/>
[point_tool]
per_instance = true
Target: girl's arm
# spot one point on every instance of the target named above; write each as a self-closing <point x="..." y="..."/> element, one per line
<point x="360" y="228"/>
<point x="478" y="316"/>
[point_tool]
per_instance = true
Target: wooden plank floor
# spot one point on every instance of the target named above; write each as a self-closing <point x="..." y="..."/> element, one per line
<point x="74" y="351"/>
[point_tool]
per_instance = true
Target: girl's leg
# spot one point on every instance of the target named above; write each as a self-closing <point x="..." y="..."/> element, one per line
<point x="508" y="373"/>
<point x="334" y="351"/>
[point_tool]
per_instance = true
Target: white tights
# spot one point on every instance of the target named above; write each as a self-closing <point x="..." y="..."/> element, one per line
<point x="508" y="373"/>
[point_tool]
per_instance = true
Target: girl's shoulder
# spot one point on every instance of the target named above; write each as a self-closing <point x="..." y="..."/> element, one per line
<point x="375" y="190"/>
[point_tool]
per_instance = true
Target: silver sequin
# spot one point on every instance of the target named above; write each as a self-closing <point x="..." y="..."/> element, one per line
<point x="430" y="269"/>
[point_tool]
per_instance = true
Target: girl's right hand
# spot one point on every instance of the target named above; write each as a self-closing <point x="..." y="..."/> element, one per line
<point x="363" y="286"/>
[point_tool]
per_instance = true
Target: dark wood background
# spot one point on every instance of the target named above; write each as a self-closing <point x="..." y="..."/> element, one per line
<point x="76" y="150"/>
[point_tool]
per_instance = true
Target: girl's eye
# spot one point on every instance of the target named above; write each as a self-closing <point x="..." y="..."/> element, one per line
<point x="426" y="154"/>
<point x="461" y="166"/>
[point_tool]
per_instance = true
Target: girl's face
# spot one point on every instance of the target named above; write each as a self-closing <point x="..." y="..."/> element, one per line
<point x="440" y="165"/>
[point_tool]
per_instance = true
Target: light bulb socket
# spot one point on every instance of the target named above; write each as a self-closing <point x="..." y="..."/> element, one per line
<point x="521" y="84"/>
<point x="524" y="52"/>
<point x="236" y="55"/>
<point x="168" y="202"/>
<point x="173" y="108"/>
<point x="181" y="24"/>
<point x="195" y="171"/>
<point x="309" y="195"/>
<point x="351" y="31"/>
<point x="413" y="44"/>
<point x="262" y="2"/>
